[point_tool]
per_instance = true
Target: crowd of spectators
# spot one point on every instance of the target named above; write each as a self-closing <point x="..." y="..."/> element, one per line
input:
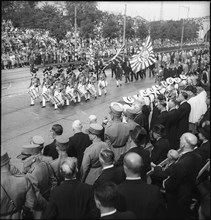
<point x="18" y="45"/>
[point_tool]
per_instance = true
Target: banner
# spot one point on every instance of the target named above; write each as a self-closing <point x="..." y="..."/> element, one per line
<point x="144" y="58"/>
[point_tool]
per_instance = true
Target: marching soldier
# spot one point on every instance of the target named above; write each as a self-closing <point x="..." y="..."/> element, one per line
<point x="34" y="86"/>
<point x="39" y="173"/>
<point x="16" y="192"/>
<point x="119" y="75"/>
<point x="102" y="83"/>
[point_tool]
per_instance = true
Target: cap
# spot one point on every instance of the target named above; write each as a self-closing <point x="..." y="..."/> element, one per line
<point x="37" y="140"/>
<point x="177" y="80"/>
<point x="95" y="129"/>
<point x="164" y="83"/>
<point x="144" y="93"/>
<point x="28" y="150"/>
<point x="170" y="80"/>
<point x="183" y="76"/>
<point x="4" y="158"/>
<point x="62" y="139"/>
<point x="116" y="108"/>
<point x="131" y="113"/>
<point x="128" y="99"/>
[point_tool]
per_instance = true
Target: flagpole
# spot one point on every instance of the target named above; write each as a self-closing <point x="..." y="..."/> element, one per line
<point x="75" y="29"/>
<point x="124" y="26"/>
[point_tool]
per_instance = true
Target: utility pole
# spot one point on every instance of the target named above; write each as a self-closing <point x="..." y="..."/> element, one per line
<point x="75" y="28"/>
<point x="124" y="26"/>
<point x="183" y="24"/>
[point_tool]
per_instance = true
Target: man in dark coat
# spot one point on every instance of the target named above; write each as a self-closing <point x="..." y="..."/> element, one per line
<point x="137" y="140"/>
<point x="78" y="142"/>
<point x="183" y="116"/>
<point x="71" y="199"/>
<point x="105" y="195"/>
<point x="109" y="172"/>
<point x="162" y="117"/>
<point x="141" y="198"/>
<point x="113" y="69"/>
<point x="50" y="150"/>
<point x="171" y="124"/>
<point x="206" y="116"/>
<point x="181" y="181"/>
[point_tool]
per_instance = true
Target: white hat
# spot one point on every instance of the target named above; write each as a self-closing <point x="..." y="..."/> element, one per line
<point x="183" y="76"/>
<point x="128" y="99"/>
<point x="170" y="80"/>
<point x="177" y="80"/>
<point x="164" y="83"/>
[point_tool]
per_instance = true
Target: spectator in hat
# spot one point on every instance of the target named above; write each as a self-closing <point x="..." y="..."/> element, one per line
<point x="137" y="142"/>
<point x="38" y="140"/>
<point x="130" y="115"/>
<point x="50" y="149"/>
<point x="91" y="167"/>
<point x="38" y="171"/>
<point x="62" y="143"/>
<point x="116" y="132"/>
<point x="183" y="116"/>
<point x="110" y="172"/>
<point x="105" y="195"/>
<point x="78" y="142"/>
<point x="93" y="120"/>
<point x="71" y="199"/>
<point x="134" y="194"/>
<point x="16" y="191"/>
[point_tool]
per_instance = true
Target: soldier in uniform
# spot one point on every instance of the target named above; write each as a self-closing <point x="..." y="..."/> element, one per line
<point x="91" y="167"/>
<point x="102" y="83"/>
<point x="119" y="75"/>
<point x="34" y="84"/>
<point x="16" y="191"/>
<point x="39" y="173"/>
<point x="116" y="132"/>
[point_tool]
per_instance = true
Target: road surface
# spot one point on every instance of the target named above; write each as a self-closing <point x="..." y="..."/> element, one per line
<point x="20" y="121"/>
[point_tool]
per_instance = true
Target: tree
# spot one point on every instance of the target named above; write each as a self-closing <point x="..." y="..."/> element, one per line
<point x="129" y="30"/>
<point x="111" y="28"/>
<point x="142" y="30"/>
<point x="155" y="30"/>
<point x="87" y="29"/>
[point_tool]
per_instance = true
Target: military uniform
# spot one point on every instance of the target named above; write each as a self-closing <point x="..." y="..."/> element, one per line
<point x="14" y="188"/>
<point x="91" y="167"/>
<point x="39" y="173"/>
<point x="116" y="132"/>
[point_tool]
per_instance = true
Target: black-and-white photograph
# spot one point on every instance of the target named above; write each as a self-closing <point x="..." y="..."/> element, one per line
<point x="105" y="110"/>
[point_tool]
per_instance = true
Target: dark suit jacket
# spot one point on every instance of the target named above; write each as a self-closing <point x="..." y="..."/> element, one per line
<point x="141" y="198"/>
<point x="160" y="150"/>
<point x="162" y="118"/>
<point x="120" y="215"/>
<point x="155" y="113"/>
<point x="171" y="127"/>
<point x="50" y="150"/>
<point x="77" y="145"/>
<point x="180" y="184"/>
<point x="205" y="117"/>
<point x="145" y="155"/>
<point x="183" y="119"/>
<point x="71" y="200"/>
<point x="114" y="174"/>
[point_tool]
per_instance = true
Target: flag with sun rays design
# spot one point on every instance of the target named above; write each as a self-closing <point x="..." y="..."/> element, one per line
<point x="144" y="58"/>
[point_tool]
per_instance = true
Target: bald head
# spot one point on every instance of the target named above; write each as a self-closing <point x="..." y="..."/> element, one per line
<point x="77" y="126"/>
<point x="133" y="162"/>
<point x="188" y="140"/>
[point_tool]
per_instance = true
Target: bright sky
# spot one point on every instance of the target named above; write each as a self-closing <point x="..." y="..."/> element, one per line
<point x="152" y="10"/>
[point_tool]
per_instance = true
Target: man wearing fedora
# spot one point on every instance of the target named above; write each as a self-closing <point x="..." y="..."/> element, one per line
<point x="39" y="173"/>
<point x="116" y="132"/>
<point x="91" y="167"/>
<point x="16" y="191"/>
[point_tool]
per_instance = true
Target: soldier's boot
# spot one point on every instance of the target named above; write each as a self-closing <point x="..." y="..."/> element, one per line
<point x="67" y="102"/>
<point x="55" y="107"/>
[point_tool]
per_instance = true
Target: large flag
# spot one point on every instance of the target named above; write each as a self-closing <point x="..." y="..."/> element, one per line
<point x="118" y="57"/>
<point x="144" y="58"/>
